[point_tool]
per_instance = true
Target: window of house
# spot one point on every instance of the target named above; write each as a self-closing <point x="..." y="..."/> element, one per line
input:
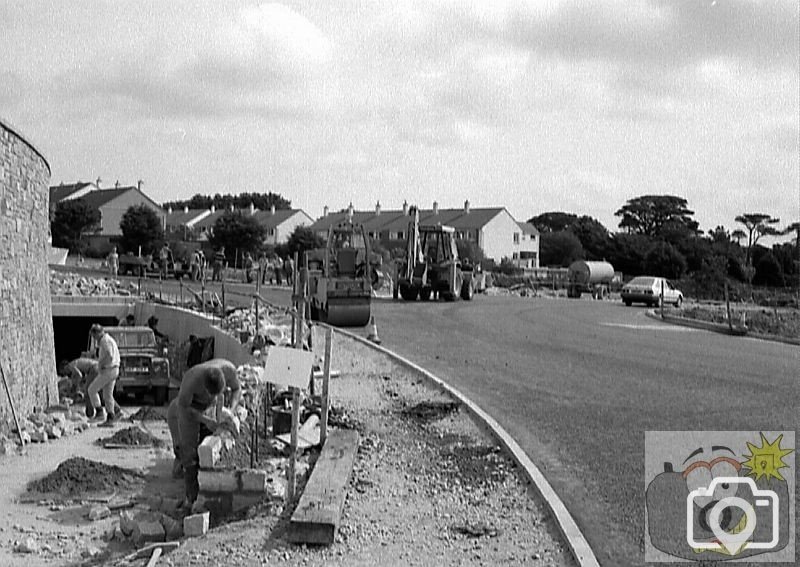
<point x="516" y="238"/>
<point x="514" y="256"/>
<point x="271" y="232"/>
<point x="400" y="235"/>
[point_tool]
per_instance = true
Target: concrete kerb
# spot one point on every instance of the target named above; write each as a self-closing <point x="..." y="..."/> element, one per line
<point x="577" y="543"/>
<point x="718" y="328"/>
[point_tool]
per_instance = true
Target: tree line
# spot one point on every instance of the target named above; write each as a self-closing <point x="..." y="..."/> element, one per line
<point x="659" y="236"/>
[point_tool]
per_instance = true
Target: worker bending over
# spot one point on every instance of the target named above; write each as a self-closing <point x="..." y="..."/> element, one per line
<point x="108" y="362"/>
<point x="202" y="387"/>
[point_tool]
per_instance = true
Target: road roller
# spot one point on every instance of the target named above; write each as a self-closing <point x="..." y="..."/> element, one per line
<point x="340" y="277"/>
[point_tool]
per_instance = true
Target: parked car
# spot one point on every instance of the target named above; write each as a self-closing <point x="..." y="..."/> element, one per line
<point x="144" y="366"/>
<point x="647" y="290"/>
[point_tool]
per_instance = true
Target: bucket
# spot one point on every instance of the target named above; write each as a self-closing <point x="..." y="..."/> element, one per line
<point x="281" y="420"/>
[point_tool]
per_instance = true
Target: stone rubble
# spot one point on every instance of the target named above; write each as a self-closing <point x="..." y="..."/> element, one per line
<point x="62" y="283"/>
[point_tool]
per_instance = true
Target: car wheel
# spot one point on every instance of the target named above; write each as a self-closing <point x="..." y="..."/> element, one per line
<point x="161" y="394"/>
<point x="627" y="303"/>
<point x="678" y="301"/>
<point x="425" y="293"/>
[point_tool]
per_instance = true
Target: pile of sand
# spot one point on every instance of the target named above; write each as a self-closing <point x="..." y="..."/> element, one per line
<point x="78" y="475"/>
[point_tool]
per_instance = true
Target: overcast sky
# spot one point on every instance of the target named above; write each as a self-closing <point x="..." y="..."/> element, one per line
<point x="535" y="106"/>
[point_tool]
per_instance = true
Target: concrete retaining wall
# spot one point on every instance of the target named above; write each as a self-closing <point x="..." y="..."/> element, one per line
<point x="27" y="354"/>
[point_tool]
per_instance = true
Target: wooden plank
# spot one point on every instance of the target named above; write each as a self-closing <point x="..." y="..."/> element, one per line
<point x="317" y="516"/>
<point x="326" y="381"/>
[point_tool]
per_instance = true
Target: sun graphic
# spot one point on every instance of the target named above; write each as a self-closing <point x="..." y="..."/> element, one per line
<point x="766" y="460"/>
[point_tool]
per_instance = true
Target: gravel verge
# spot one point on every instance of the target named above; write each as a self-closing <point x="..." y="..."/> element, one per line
<point x="428" y="487"/>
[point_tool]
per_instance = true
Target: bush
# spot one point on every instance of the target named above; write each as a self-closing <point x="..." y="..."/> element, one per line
<point x="769" y="272"/>
<point x="663" y="259"/>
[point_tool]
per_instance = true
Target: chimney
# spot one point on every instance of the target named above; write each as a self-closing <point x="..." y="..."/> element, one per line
<point x="186" y="209"/>
<point x="116" y="184"/>
<point x="139" y="184"/>
<point x="272" y="209"/>
<point x="350" y="212"/>
<point x="466" y="207"/>
<point x="325" y="211"/>
<point x="405" y="208"/>
<point x="213" y="209"/>
<point x="98" y="182"/>
<point x="252" y="208"/>
<point x="169" y="211"/>
<point x="377" y="208"/>
<point x="435" y="208"/>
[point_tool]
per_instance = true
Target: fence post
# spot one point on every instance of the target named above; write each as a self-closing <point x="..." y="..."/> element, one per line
<point x="661" y="303"/>
<point x="728" y="306"/>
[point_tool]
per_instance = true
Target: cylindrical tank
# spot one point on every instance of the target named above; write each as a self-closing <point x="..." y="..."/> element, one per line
<point x="588" y="273"/>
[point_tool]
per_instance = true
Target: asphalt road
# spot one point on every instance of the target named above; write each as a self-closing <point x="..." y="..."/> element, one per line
<point x="577" y="383"/>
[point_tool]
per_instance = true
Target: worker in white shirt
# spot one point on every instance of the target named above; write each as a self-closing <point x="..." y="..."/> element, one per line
<point x="108" y="372"/>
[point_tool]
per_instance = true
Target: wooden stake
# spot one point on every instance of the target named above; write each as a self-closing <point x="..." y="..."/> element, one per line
<point x="326" y="380"/>
<point x="298" y="344"/>
<point x="661" y="303"/>
<point x="728" y="306"/>
<point x="11" y="403"/>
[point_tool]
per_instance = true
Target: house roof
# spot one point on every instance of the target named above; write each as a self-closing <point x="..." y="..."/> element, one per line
<point x="60" y="192"/>
<point x="396" y="221"/>
<point x="528" y="228"/>
<point x="100" y="197"/>
<point x="181" y="218"/>
<point x="268" y="219"/>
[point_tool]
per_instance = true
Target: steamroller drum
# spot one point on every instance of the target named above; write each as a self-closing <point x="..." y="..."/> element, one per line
<point x="408" y="292"/>
<point x="346" y="312"/>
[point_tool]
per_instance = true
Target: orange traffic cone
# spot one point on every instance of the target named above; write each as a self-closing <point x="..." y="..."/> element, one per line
<point x="373" y="331"/>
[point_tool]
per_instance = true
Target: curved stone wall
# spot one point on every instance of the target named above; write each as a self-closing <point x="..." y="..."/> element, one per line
<point x="26" y="324"/>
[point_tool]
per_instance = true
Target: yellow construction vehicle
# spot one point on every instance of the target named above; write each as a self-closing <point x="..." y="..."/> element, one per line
<point x="340" y="277"/>
<point x="432" y="265"/>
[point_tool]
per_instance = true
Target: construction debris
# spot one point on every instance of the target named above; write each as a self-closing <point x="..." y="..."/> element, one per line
<point x="131" y="437"/>
<point x="78" y="475"/>
<point x="147" y="413"/>
<point x="62" y="283"/>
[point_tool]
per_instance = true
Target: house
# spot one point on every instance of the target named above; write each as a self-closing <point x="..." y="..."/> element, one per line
<point x="497" y="233"/>
<point x="279" y="223"/>
<point x="111" y="203"/>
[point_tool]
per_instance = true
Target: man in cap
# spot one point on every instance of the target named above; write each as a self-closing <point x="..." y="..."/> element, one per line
<point x="202" y="387"/>
<point x="108" y="372"/>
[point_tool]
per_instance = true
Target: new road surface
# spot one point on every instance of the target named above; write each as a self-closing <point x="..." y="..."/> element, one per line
<point x="577" y="383"/>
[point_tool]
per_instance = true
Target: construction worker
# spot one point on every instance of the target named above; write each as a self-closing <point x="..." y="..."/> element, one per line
<point x="108" y="372"/>
<point x="202" y="387"/>
<point x="82" y="371"/>
<point x="220" y="263"/>
<point x="113" y="262"/>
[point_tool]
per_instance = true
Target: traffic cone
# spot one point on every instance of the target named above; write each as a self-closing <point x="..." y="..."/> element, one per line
<point x="373" y="331"/>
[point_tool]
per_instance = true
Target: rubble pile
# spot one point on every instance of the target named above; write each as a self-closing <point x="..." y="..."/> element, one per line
<point x="42" y="427"/>
<point x="78" y="475"/>
<point x="274" y="326"/>
<point x="147" y="413"/>
<point x="63" y="283"/>
<point x="133" y="437"/>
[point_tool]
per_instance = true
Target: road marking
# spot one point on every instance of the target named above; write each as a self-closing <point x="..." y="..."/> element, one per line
<point x="648" y="327"/>
<point x="576" y="541"/>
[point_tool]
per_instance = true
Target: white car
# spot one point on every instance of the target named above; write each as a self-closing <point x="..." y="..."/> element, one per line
<point x="647" y="289"/>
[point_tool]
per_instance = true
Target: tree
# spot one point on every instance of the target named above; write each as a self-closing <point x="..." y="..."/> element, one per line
<point x="469" y="251"/>
<point x="71" y="220"/>
<point x="769" y="271"/>
<point x="658" y="216"/>
<point x="593" y="235"/>
<point x="554" y="221"/>
<point x="141" y="226"/>
<point x="261" y="201"/>
<point x="757" y="225"/>
<point x="628" y="251"/>
<point x="737" y="235"/>
<point x="236" y="231"/>
<point x="663" y="259"/>
<point x="302" y="239"/>
<point x="559" y="248"/>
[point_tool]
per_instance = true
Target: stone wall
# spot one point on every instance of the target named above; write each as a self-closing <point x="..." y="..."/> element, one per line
<point x="27" y="353"/>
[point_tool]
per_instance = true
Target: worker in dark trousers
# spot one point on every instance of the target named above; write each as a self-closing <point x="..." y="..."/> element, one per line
<point x="202" y="387"/>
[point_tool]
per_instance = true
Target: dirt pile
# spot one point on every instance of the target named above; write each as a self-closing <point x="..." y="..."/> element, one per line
<point x="132" y="436"/>
<point x="78" y="475"/>
<point x="429" y="411"/>
<point x="148" y="413"/>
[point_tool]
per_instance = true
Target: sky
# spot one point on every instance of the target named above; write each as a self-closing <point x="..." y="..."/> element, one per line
<point x="535" y="106"/>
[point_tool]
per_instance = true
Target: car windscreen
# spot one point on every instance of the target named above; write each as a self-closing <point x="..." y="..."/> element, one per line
<point x="641" y="281"/>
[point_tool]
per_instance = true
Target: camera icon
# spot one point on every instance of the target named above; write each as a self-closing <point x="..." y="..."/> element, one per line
<point x="718" y="515"/>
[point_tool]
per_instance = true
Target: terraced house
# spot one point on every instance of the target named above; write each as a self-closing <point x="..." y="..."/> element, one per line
<point x="493" y="229"/>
